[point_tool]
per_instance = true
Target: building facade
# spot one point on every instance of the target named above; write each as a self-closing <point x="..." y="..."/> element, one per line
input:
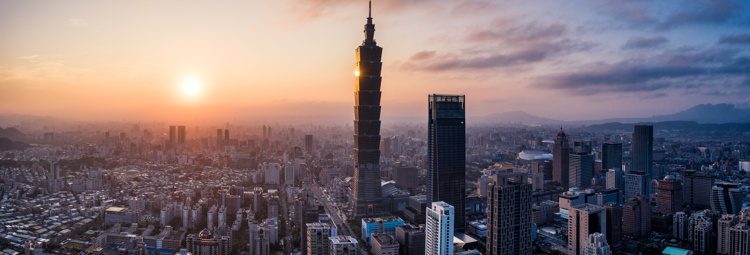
<point x="439" y="229"/>
<point x="367" y="196"/>
<point x="509" y="215"/>
<point x="446" y="153"/>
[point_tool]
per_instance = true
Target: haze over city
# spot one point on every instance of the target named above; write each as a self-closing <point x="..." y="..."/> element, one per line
<point x="283" y="60"/>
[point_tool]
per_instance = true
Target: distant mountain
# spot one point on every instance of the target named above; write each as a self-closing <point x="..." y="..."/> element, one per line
<point x="709" y="113"/>
<point x="7" y="144"/>
<point x="699" y="114"/>
<point x="518" y="117"/>
<point x="12" y="133"/>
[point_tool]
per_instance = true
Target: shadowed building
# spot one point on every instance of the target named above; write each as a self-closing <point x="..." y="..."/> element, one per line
<point x="643" y="148"/>
<point x="669" y="195"/>
<point x="367" y="191"/>
<point x="560" y="154"/>
<point x="611" y="155"/>
<point x="509" y="215"/>
<point x="446" y="152"/>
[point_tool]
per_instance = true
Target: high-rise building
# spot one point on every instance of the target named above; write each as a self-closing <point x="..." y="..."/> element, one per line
<point x="343" y="245"/>
<point x="219" y="136"/>
<point x="726" y="198"/>
<point x="367" y="191"/>
<point x="739" y="239"/>
<point x="581" y="170"/>
<point x="446" y="153"/>
<point x="597" y="245"/>
<point x="723" y="243"/>
<point x="584" y="220"/>
<point x="439" y="229"/>
<point x="636" y="217"/>
<point x="643" y="148"/>
<point x="702" y="234"/>
<point x="560" y="164"/>
<point x="680" y="226"/>
<point x="317" y="238"/>
<point x="637" y="184"/>
<point x="308" y="144"/>
<point x="697" y="187"/>
<point x="614" y="223"/>
<point x="172" y="135"/>
<point x="181" y="134"/>
<point x="615" y="179"/>
<point x="669" y="195"/>
<point x="411" y="239"/>
<point x="383" y="244"/>
<point x="226" y="135"/>
<point x="509" y="215"/>
<point x="612" y="156"/>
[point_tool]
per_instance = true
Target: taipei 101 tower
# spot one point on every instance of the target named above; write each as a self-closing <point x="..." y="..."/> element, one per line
<point x="367" y="192"/>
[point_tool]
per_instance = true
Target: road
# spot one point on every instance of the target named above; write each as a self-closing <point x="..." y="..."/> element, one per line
<point x="333" y="212"/>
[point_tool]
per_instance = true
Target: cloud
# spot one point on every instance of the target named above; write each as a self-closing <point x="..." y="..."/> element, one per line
<point x="698" y="69"/>
<point x="645" y="42"/>
<point x="422" y="55"/>
<point x="509" y="32"/>
<point x="504" y="43"/>
<point x="735" y="39"/>
<point x="649" y="14"/>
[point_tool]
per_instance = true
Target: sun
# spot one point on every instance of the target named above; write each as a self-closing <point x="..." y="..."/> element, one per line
<point x="191" y="87"/>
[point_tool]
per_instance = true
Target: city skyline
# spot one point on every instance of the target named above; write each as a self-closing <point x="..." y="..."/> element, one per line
<point x="192" y="61"/>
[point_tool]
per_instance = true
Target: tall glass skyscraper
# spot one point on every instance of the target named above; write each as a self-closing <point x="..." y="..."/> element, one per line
<point x="446" y="152"/>
<point x="643" y="148"/>
<point x="611" y="156"/>
<point x="367" y="190"/>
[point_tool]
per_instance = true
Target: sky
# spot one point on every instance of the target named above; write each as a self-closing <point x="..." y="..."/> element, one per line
<point x="294" y="59"/>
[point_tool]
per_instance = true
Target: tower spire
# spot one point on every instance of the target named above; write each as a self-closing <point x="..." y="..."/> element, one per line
<point x="369" y="27"/>
<point x="369" y="10"/>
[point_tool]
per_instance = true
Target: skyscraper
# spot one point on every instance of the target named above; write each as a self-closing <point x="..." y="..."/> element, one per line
<point x="669" y="195"/>
<point x="643" y="148"/>
<point x="509" y="215"/>
<point x="726" y="198"/>
<point x="636" y="184"/>
<point x="446" y="153"/>
<point x="560" y="153"/>
<point x="439" y="229"/>
<point x="181" y="134"/>
<point x="581" y="170"/>
<point x="219" y="135"/>
<point x="367" y="191"/>
<point x="583" y="221"/>
<point x="612" y="155"/>
<point x="172" y="135"/>
<point x="318" y="234"/>
<point x="697" y="189"/>
<point x="739" y="239"/>
<point x="702" y="234"/>
<point x="680" y="226"/>
<point x="722" y="234"/>
<point x="614" y="223"/>
<point x="308" y="144"/>
<point x="636" y="217"/>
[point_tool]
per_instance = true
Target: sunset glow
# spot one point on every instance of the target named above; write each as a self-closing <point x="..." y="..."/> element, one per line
<point x="191" y="88"/>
